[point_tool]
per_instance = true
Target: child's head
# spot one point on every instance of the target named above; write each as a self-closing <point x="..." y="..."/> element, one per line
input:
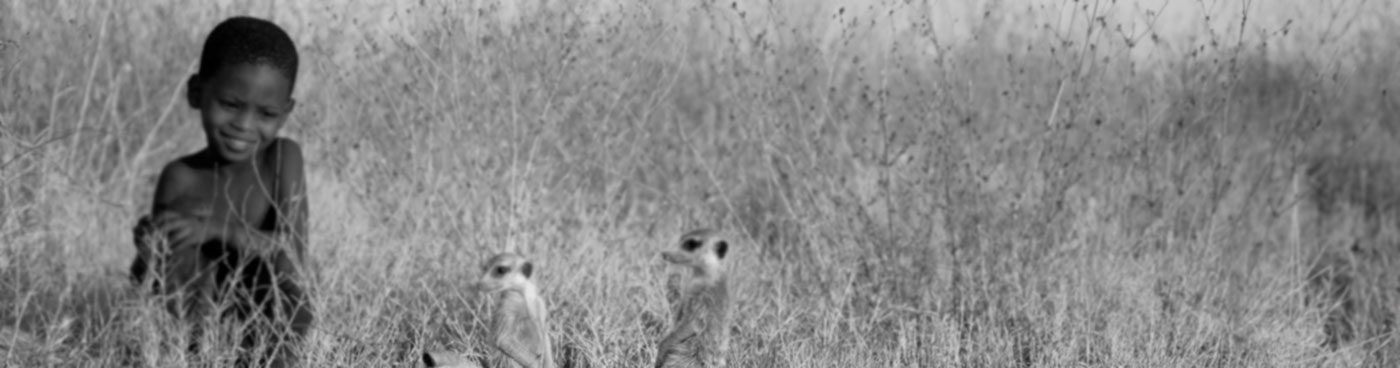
<point x="244" y="85"/>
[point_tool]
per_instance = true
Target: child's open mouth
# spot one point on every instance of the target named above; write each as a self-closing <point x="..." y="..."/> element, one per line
<point x="238" y="144"/>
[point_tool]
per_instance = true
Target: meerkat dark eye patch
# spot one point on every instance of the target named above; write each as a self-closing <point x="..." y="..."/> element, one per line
<point x="527" y="269"/>
<point x="501" y="270"/>
<point x="721" y="248"/>
<point x="689" y="245"/>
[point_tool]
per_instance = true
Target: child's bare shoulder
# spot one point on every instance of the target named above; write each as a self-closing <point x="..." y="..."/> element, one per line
<point x="182" y="172"/>
<point x="179" y="182"/>
<point x="286" y="153"/>
<point x="284" y="158"/>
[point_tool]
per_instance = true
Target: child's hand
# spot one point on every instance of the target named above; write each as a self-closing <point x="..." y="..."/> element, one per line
<point x="183" y="230"/>
<point x="141" y="235"/>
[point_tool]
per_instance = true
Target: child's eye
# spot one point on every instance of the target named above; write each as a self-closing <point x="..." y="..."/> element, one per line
<point x="501" y="271"/>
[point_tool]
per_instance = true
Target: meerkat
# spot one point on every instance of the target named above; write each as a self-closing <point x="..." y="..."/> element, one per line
<point x="519" y="328"/>
<point x="700" y="336"/>
<point x="519" y="325"/>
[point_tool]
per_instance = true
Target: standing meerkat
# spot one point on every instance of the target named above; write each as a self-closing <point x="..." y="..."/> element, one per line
<point x="519" y="327"/>
<point x="700" y="336"/>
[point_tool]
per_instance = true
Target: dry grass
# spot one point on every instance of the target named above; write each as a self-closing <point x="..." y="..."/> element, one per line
<point x="1046" y="196"/>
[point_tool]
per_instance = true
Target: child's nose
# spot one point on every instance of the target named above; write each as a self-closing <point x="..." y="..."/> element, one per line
<point x="244" y="121"/>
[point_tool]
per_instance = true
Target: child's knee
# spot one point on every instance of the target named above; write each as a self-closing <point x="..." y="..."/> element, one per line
<point x="302" y="322"/>
<point x="295" y="308"/>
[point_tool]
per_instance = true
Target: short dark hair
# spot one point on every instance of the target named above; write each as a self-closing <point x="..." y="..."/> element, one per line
<point x="248" y="40"/>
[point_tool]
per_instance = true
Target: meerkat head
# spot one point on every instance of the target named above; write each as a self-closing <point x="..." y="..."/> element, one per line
<point x="702" y="251"/>
<point x="506" y="271"/>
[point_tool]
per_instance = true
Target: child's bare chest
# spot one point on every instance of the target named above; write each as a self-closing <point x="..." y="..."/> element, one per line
<point x="231" y="198"/>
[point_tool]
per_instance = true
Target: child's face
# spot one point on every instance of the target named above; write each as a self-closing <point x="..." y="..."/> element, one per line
<point x="242" y="107"/>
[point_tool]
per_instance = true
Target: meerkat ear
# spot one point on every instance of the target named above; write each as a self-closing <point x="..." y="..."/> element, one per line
<point x="721" y="248"/>
<point x="527" y="269"/>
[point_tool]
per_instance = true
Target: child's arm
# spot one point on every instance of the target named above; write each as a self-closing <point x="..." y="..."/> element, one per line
<point x="168" y="211"/>
<point x="289" y="209"/>
<point x="152" y="228"/>
<point x="292" y="212"/>
<point x="185" y="230"/>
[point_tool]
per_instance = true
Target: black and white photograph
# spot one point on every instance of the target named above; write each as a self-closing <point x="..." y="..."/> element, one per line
<point x="699" y="183"/>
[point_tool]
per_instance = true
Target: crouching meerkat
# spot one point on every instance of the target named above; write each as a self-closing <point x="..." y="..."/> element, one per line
<point x="700" y="336"/>
<point x="519" y="327"/>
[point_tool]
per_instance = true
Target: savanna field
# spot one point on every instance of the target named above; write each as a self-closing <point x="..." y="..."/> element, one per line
<point x="909" y="184"/>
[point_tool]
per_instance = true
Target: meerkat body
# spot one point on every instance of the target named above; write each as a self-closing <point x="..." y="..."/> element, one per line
<point x="700" y="336"/>
<point x="519" y="327"/>
<point x="519" y="323"/>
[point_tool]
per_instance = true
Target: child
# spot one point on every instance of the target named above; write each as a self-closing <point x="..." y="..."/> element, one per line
<point x="236" y="209"/>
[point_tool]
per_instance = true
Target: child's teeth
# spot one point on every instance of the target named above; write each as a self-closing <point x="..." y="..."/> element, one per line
<point x="238" y="145"/>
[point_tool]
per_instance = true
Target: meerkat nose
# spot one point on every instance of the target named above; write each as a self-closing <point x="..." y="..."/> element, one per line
<point x="676" y="257"/>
